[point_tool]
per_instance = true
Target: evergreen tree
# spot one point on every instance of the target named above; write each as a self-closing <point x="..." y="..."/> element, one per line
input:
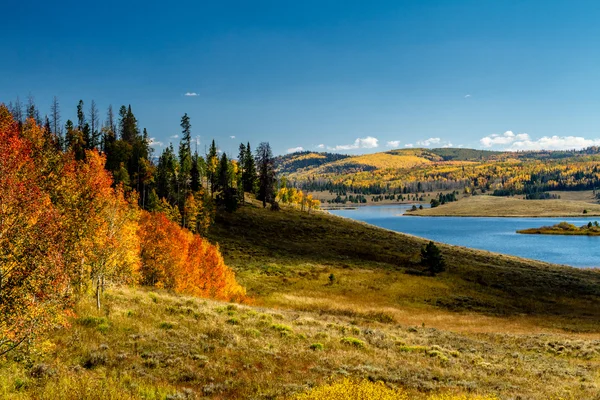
<point x="80" y="115"/>
<point x="212" y="163"/>
<point x="196" y="172"/>
<point x="185" y="165"/>
<point x="266" y="173"/>
<point x="431" y="257"/>
<point x="166" y="172"/>
<point x="249" y="167"/>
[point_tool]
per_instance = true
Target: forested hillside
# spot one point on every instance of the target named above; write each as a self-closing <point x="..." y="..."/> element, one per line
<point x="86" y="210"/>
<point x="429" y="170"/>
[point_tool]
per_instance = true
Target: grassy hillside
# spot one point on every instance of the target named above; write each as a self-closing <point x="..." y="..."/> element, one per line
<point x="490" y="206"/>
<point x="490" y="324"/>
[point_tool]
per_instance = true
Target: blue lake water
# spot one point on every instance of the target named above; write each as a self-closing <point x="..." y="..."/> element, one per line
<point x="493" y="234"/>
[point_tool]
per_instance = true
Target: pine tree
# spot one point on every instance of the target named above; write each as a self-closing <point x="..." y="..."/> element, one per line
<point x="249" y="167"/>
<point x="212" y="163"/>
<point x="185" y="164"/>
<point x="266" y="173"/>
<point x="196" y="172"/>
<point x="432" y="258"/>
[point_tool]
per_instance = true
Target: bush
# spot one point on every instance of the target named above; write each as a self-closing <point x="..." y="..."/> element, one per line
<point x="353" y="342"/>
<point x="166" y="325"/>
<point x="317" y="346"/>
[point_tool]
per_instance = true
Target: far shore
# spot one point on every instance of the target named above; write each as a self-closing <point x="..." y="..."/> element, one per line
<point x="490" y="206"/>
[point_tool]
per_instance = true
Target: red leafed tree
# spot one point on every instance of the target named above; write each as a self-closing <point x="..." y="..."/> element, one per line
<point x="176" y="259"/>
<point x="32" y="276"/>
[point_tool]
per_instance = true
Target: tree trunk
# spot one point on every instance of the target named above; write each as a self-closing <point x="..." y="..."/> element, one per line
<point x="98" y="293"/>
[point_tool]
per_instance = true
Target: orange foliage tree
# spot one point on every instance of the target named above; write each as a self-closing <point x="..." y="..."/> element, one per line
<point x="32" y="276"/>
<point x="99" y="224"/>
<point x="174" y="258"/>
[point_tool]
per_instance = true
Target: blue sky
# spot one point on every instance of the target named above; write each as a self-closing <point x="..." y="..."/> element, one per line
<point x="344" y="76"/>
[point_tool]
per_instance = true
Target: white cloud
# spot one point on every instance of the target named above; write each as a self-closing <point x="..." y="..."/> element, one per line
<point x="320" y="146"/>
<point x="191" y="94"/>
<point x="467" y="96"/>
<point x="174" y="137"/>
<point x="409" y="145"/>
<point x="523" y="141"/>
<point x="445" y="146"/>
<point x="555" y="143"/>
<point x="460" y="146"/>
<point x="393" y="143"/>
<point x="232" y="137"/>
<point x="429" y="142"/>
<point x="368" y="142"/>
<point x="154" y="142"/>
<point x="295" y="149"/>
<point x="507" y="137"/>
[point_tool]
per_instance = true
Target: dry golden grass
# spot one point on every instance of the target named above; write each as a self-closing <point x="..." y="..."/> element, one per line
<point x="490" y="325"/>
<point x="158" y="345"/>
<point x="491" y="206"/>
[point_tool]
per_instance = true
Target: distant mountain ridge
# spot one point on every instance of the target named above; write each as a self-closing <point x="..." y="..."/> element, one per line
<point x="445" y="169"/>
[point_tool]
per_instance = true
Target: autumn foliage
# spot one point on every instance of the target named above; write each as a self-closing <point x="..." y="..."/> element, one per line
<point x="174" y="258"/>
<point x="66" y="230"/>
<point x="32" y="267"/>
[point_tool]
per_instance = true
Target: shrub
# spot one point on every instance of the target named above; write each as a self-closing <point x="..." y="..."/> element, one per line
<point x="317" y="347"/>
<point x="166" y="325"/>
<point x="353" y="342"/>
<point x="233" y="321"/>
<point x="281" y="328"/>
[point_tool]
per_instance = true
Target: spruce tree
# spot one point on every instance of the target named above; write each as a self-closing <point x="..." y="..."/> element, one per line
<point x="249" y="180"/>
<point x="266" y="173"/>
<point x="431" y="257"/>
<point x="212" y="162"/>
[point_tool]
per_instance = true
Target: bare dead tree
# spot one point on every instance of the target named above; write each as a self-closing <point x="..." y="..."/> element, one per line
<point x="94" y="124"/>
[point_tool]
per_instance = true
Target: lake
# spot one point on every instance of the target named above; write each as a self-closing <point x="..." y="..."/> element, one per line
<point x="493" y="234"/>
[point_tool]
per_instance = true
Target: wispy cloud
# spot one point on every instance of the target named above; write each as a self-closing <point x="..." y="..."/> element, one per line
<point x="393" y="144"/>
<point x="295" y="149"/>
<point x="522" y="141"/>
<point x="232" y="137"/>
<point x="320" y="146"/>
<point x="447" y="145"/>
<point x="467" y="96"/>
<point x="191" y="94"/>
<point x="409" y="145"/>
<point x="174" y="137"/>
<point x="368" y="142"/>
<point x="429" y="142"/>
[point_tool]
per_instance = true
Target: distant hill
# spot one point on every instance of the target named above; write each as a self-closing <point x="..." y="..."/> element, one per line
<point x="412" y="170"/>
<point x="305" y="160"/>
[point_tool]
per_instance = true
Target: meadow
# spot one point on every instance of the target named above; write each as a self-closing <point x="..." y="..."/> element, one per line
<point x="332" y="299"/>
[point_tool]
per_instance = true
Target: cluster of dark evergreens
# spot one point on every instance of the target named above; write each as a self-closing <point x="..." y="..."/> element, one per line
<point x="541" y="196"/>
<point x="185" y="185"/>
<point x="443" y="199"/>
